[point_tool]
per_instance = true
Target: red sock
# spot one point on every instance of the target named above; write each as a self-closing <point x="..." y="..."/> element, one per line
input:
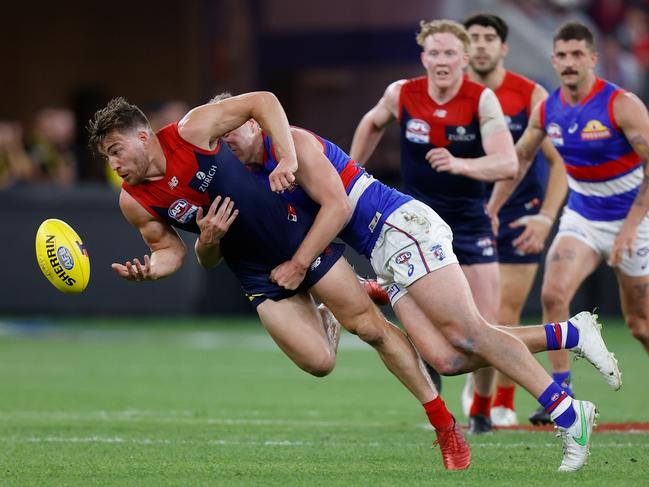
<point x="480" y="405"/>
<point x="504" y="397"/>
<point x="438" y="415"/>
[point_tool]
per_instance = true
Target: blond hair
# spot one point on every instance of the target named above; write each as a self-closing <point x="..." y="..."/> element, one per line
<point x="444" y="25"/>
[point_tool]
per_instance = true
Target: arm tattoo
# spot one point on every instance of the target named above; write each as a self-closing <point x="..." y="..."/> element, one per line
<point x="641" y="148"/>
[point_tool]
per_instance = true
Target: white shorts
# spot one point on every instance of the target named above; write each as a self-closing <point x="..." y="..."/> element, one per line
<point x="600" y="235"/>
<point x="413" y="241"/>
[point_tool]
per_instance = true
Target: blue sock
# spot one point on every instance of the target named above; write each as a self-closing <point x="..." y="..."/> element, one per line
<point x="558" y="403"/>
<point x="561" y="335"/>
<point x="563" y="379"/>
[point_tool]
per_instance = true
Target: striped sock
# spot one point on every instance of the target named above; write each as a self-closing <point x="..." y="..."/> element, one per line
<point x="558" y="403"/>
<point x="561" y="335"/>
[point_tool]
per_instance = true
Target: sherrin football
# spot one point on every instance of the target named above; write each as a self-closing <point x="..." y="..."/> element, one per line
<point x="62" y="256"/>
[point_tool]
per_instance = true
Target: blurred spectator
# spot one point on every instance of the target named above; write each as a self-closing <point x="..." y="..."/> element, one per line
<point x="15" y="164"/>
<point x="52" y="146"/>
<point x="608" y="14"/>
<point x="619" y="66"/>
<point x="162" y="113"/>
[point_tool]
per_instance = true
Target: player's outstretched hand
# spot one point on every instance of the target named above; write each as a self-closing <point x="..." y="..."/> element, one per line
<point x="217" y="221"/>
<point x="623" y="244"/>
<point x="537" y="229"/>
<point x="134" y="270"/>
<point x="283" y="177"/>
<point x="289" y="275"/>
<point x="442" y="160"/>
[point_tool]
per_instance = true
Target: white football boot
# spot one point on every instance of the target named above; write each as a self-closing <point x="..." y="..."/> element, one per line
<point x="576" y="438"/>
<point x="591" y="346"/>
<point x="502" y="416"/>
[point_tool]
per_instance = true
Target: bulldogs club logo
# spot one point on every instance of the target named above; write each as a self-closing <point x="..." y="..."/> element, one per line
<point x="438" y="252"/>
<point x="555" y="134"/>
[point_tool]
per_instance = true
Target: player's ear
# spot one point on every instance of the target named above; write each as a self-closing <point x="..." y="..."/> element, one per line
<point x="504" y="49"/>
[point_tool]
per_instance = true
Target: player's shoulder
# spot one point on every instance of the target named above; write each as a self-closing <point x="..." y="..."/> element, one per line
<point x="517" y="80"/>
<point x="420" y="83"/>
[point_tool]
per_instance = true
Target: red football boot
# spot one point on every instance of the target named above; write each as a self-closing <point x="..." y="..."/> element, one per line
<point x="374" y="291"/>
<point x="456" y="454"/>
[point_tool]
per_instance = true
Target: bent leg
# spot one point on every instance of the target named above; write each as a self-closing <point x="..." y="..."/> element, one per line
<point x="634" y="296"/>
<point x="445" y="297"/>
<point x="298" y="329"/>
<point x="568" y="263"/>
<point x="341" y="292"/>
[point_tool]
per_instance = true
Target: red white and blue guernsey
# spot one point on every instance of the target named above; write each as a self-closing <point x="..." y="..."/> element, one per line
<point x="604" y="172"/>
<point x="267" y="231"/>
<point x="372" y="201"/>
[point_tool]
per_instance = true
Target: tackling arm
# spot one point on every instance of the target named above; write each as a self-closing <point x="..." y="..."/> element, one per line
<point x="318" y="177"/>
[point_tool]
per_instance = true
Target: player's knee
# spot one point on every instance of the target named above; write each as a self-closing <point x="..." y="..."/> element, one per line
<point x="449" y="366"/>
<point x="554" y="296"/>
<point x="319" y="367"/>
<point x="639" y="327"/>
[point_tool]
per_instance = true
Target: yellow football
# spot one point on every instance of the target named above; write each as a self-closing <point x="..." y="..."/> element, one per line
<point x="62" y="256"/>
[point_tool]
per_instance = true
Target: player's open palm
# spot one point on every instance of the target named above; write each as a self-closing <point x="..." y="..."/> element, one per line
<point x="134" y="270"/>
<point x="217" y="221"/>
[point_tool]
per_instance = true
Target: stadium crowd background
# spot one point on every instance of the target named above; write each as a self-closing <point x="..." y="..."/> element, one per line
<point x="327" y="61"/>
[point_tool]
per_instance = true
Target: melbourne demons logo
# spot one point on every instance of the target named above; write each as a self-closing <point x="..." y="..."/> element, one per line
<point x="182" y="210"/>
<point x="417" y="131"/>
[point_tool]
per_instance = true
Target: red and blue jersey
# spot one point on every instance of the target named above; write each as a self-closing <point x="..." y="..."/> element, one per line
<point x="604" y="172"/>
<point x="515" y="97"/>
<point x="267" y="230"/>
<point x="372" y="201"/>
<point x="454" y="125"/>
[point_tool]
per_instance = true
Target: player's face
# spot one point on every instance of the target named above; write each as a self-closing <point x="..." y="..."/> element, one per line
<point x="242" y="140"/>
<point x="573" y="61"/>
<point x="444" y="58"/>
<point x="127" y="154"/>
<point x="486" y="50"/>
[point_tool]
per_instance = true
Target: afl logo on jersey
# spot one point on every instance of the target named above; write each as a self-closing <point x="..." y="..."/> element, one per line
<point x="182" y="210"/>
<point x="554" y="134"/>
<point x="417" y="131"/>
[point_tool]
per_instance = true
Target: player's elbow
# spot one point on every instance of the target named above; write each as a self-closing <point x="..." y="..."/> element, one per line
<point x="510" y="166"/>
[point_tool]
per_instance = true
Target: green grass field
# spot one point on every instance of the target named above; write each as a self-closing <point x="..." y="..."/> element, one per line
<point x="207" y="402"/>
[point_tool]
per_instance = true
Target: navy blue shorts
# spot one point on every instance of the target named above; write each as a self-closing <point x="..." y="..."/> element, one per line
<point x="507" y="253"/>
<point x="258" y="287"/>
<point x="474" y="247"/>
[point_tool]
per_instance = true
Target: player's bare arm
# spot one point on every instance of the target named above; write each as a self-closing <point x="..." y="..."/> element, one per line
<point x="537" y="227"/>
<point x="632" y="118"/>
<point x="526" y="149"/>
<point x="317" y="176"/>
<point x="203" y="125"/>
<point x="372" y="126"/>
<point x="213" y="226"/>
<point x="499" y="161"/>
<point x="168" y="251"/>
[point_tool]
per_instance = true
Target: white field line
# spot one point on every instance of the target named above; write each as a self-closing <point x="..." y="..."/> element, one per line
<point x="277" y="442"/>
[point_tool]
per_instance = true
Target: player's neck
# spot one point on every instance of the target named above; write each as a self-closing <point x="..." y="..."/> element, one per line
<point x="493" y="79"/>
<point x="441" y="95"/>
<point x="575" y="95"/>
<point x="157" y="161"/>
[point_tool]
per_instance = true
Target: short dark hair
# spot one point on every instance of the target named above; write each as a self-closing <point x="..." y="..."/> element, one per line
<point x="574" y="31"/>
<point x="489" y="20"/>
<point x="221" y="96"/>
<point x="118" y="115"/>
